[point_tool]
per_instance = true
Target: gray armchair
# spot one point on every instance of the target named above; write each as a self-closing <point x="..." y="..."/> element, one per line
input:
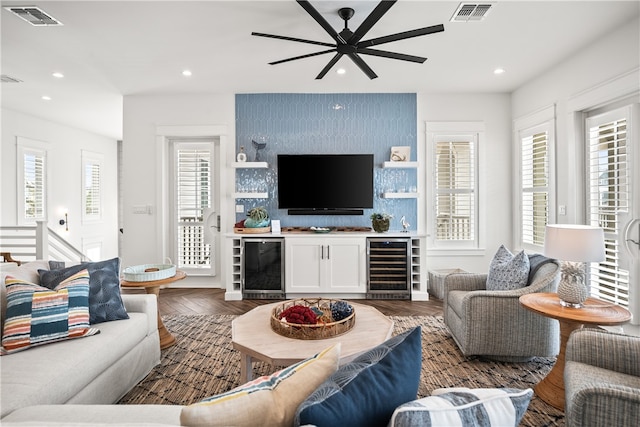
<point x="602" y="379"/>
<point x="493" y="324"/>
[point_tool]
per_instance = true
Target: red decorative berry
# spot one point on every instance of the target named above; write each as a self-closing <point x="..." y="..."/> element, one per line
<point x="299" y="314"/>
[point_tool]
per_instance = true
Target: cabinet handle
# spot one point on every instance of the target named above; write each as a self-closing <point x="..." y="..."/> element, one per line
<point x="328" y="254"/>
<point x="322" y="253"/>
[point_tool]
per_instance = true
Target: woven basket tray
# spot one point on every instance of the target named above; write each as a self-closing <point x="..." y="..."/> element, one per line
<point x="137" y="273"/>
<point x="247" y="230"/>
<point x="311" y="332"/>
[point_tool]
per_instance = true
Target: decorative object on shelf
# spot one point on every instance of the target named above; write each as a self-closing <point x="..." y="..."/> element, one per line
<point x="241" y="157"/>
<point x="259" y="145"/>
<point x="405" y="224"/>
<point x="380" y="221"/>
<point x="312" y="318"/>
<point x="320" y="229"/>
<point x="257" y="222"/>
<point x="575" y="245"/>
<point x="400" y="154"/>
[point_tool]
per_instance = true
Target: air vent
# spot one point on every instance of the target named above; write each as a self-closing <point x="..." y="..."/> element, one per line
<point x="8" y="79"/>
<point x="34" y="16"/>
<point x="471" y="12"/>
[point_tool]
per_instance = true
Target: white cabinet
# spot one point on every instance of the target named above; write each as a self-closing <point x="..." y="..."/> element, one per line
<point x="326" y="265"/>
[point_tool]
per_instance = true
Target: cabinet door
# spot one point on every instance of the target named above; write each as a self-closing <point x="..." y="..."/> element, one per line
<point x="345" y="265"/>
<point x="304" y="265"/>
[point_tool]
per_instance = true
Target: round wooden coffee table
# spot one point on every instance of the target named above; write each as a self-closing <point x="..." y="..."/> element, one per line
<point x="153" y="287"/>
<point x="252" y="336"/>
<point x="594" y="312"/>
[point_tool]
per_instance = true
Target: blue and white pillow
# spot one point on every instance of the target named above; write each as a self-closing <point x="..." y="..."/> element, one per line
<point x="508" y="272"/>
<point x="481" y="407"/>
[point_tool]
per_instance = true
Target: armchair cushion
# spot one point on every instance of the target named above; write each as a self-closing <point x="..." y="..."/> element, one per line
<point x="508" y="272"/>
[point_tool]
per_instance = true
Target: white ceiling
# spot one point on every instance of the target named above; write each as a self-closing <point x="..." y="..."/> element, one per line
<point x="108" y="49"/>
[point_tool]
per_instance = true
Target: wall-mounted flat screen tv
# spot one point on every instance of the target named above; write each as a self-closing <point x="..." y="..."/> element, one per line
<point x="325" y="184"/>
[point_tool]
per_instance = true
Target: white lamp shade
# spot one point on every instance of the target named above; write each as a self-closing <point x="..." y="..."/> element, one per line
<point x="573" y="242"/>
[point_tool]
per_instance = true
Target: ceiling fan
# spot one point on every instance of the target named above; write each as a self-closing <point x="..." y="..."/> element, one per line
<point x="350" y="43"/>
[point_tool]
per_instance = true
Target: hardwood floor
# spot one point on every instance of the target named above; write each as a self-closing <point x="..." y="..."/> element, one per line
<point x="211" y="301"/>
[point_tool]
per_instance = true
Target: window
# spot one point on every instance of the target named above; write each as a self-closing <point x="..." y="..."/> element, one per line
<point x="454" y="159"/>
<point x="534" y="164"/>
<point x="534" y="185"/>
<point x="91" y="186"/>
<point x="609" y="201"/>
<point x="32" y="181"/>
<point x="193" y="202"/>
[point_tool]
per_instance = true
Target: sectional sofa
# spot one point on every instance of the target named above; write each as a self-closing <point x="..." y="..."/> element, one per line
<point x="95" y="369"/>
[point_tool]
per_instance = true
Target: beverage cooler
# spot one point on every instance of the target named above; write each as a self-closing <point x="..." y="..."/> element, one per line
<point x="262" y="272"/>
<point x="388" y="268"/>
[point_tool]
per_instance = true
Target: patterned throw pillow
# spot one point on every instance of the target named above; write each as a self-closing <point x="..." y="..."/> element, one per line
<point x="37" y="315"/>
<point x="105" y="301"/>
<point x="266" y="401"/>
<point x="508" y="272"/>
<point x="480" y="407"/>
<point x="366" y="391"/>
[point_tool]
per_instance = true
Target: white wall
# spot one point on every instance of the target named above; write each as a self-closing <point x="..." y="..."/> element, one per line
<point x="65" y="145"/>
<point x="596" y="64"/>
<point x="143" y="170"/>
<point x="494" y="186"/>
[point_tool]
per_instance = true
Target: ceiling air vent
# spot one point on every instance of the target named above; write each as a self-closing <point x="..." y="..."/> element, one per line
<point x="8" y="79"/>
<point x="467" y="12"/>
<point x="34" y="16"/>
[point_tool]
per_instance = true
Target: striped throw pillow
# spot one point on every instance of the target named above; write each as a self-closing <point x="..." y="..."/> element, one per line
<point x="37" y="315"/>
<point x="465" y="407"/>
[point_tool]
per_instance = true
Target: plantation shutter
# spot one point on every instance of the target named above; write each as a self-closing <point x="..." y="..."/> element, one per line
<point x="455" y="190"/>
<point x="535" y="187"/>
<point x="92" y="190"/>
<point x="34" y="183"/>
<point x="193" y="196"/>
<point x="608" y="199"/>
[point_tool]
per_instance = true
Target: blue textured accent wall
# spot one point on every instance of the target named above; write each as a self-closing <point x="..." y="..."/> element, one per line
<point x="328" y="124"/>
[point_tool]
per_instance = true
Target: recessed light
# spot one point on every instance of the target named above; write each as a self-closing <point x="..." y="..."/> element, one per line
<point x="341" y="71"/>
<point x="46" y="97"/>
<point x="57" y="75"/>
<point x="498" y="71"/>
<point x="186" y="73"/>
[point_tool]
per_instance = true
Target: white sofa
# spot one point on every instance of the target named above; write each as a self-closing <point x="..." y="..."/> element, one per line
<point x="97" y="369"/>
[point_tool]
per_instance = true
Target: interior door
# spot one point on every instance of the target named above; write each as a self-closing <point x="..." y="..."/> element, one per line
<point x="614" y="198"/>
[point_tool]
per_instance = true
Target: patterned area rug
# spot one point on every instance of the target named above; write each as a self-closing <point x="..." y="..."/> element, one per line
<point x="203" y="363"/>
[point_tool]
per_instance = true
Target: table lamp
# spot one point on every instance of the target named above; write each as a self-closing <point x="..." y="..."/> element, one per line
<point x="574" y="245"/>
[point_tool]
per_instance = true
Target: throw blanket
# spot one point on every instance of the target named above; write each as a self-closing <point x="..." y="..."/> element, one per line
<point x="535" y="262"/>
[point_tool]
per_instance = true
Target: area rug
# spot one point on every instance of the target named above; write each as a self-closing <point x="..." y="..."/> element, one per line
<point x="203" y="363"/>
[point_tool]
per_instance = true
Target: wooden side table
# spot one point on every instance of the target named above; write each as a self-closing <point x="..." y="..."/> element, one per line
<point x="594" y="312"/>
<point x="153" y="287"/>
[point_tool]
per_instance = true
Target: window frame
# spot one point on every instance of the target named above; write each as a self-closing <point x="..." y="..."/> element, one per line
<point x="439" y="132"/>
<point x="88" y="159"/>
<point x="26" y="146"/>
<point x="541" y="121"/>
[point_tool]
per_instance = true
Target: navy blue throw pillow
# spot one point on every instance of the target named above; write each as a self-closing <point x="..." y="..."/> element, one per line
<point x="366" y="391"/>
<point x="105" y="301"/>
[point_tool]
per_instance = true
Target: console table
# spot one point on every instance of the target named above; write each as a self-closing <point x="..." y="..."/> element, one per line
<point x="153" y="287"/>
<point x="594" y="312"/>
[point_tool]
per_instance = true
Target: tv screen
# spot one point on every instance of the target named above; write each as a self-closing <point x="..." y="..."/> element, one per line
<point x="325" y="182"/>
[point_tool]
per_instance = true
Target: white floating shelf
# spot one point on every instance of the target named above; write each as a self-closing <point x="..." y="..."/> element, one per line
<point x="250" y="165"/>
<point x="399" y="195"/>
<point x="400" y="165"/>
<point x="250" y="195"/>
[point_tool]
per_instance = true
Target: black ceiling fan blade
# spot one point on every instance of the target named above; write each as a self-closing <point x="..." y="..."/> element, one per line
<point x="375" y="15"/>
<point x="363" y="65"/>
<point x="392" y="55"/>
<point x="401" y="36"/>
<point x="309" y="55"/>
<point x="293" y="39"/>
<point x="320" y="20"/>
<point x="327" y="67"/>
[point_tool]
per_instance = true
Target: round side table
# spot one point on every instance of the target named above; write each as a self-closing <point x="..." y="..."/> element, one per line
<point x="594" y="312"/>
<point x="153" y="287"/>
